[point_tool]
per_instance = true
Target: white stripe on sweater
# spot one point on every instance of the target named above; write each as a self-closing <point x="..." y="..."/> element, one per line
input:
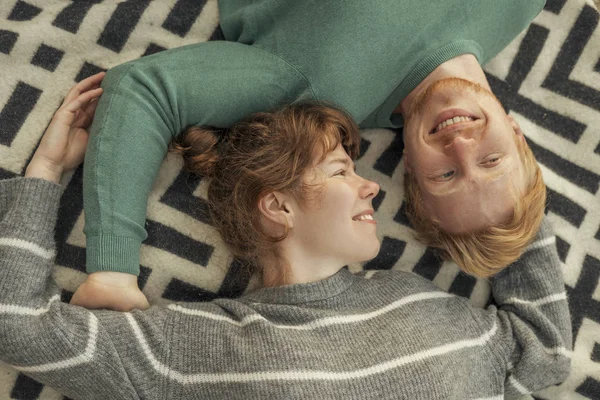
<point x="29" y="246"/>
<point x="82" y="358"/>
<point x="499" y="397"/>
<point x="541" y="243"/>
<point x="20" y="310"/>
<point x="559" y="350"/>
<point x="319" y="323"/>
<point x="518" y="385"/>
<point x="539" y="302"/>
<point x="304" y="374"/>
<point x="554" y="351"/>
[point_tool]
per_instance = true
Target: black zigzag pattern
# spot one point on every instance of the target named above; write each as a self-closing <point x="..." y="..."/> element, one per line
<point x="558" y="79"/>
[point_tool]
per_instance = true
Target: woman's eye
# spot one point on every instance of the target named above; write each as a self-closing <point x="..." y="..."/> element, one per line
<point x="341" y="172"/>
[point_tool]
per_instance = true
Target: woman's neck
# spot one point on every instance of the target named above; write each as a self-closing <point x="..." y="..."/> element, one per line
<point x="292" y="268"/>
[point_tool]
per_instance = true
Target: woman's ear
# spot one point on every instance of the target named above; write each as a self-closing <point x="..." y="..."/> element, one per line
<point x="277" y="208"/>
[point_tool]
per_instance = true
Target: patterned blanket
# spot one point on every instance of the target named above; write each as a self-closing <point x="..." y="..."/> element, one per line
<point x="549" y="79"/>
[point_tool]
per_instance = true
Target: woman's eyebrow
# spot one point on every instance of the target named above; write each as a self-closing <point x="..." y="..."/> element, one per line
<point x="347" y="162"/>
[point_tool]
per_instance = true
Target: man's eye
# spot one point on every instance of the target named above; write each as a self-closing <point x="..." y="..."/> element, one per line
<point x="446" y="176"/>
<point x="340" y="172"/>
<point x="490" y="162"/>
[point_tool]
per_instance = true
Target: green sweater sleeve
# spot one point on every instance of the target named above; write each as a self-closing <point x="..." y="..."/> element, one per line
<point x="145" y="104"/>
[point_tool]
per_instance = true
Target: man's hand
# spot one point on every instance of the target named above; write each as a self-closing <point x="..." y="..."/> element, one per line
<point x="111" y="290"/>
<point x="63" y="145"/>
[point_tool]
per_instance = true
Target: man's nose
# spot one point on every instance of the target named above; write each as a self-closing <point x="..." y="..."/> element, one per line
<point x="460" y="146"/>
<point x="462" y="149"/>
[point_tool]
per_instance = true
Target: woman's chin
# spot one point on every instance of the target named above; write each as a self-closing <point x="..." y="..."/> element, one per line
<point x="371" y="253"/>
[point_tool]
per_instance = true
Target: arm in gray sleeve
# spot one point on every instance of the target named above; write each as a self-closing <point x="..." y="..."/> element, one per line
<point x="81" y="353"/>
<point x="530" y="325"/>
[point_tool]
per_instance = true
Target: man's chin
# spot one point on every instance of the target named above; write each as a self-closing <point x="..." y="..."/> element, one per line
<point x="447" y="87"/>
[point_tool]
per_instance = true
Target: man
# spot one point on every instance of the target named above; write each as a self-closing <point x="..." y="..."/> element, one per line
<point x="469" y="168"/>
<point x="473" y="188"/>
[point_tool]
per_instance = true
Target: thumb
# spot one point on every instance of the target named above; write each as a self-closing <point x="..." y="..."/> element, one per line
<point x="77" y="149"/>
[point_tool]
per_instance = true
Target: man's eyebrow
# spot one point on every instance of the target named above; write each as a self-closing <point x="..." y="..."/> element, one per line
<point x="347" y="162"/>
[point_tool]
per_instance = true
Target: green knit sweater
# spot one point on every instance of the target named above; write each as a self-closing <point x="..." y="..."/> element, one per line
<point x="362" y="56"/>
<point x="376" y="335"/>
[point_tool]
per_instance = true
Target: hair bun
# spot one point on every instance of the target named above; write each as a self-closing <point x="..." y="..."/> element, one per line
<point x="198" y="147"/>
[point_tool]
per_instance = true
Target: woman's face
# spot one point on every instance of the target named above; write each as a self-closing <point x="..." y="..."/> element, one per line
<point x="338" y="226"/>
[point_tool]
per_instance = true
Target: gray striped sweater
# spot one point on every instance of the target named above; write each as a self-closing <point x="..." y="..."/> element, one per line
<point x="382" y="335"/>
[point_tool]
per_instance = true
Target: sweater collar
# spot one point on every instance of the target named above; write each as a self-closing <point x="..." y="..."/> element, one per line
<point x="304" y="292"/>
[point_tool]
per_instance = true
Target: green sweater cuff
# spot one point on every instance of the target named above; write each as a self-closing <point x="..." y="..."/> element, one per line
<point x="113" y="253"/>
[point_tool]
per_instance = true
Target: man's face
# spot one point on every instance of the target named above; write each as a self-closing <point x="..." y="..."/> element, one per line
<point x="461" y="147"/>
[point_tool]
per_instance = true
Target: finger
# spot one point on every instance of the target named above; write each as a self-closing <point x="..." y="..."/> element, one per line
<point x="85" y="104"/>
<point x="88" y="83"/>
<point x="86" y="114"/>
<point x="81" y="119"/>
<point x="83" y="99"/>
<point x="91" y="108"/>
<point x="66" y="115"/>
<point x="77" y="145"/>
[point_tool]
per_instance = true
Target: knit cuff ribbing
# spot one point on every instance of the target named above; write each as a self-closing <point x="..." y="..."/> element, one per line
<point x="113" y="253"/>
<point x="30" y="206"/>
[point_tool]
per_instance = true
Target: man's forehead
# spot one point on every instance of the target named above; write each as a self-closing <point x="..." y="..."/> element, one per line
<point x="475" y="212"/>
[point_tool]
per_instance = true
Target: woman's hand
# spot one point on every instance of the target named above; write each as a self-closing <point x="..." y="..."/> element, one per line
<point x="63" y="145"/>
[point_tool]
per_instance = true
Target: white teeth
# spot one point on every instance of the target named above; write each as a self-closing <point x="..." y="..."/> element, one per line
<point x="451" y="121"/>
<point x="363" y="217"/>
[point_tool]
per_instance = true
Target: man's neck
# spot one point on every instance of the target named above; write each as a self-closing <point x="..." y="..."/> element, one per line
<point x="464" y="66"/>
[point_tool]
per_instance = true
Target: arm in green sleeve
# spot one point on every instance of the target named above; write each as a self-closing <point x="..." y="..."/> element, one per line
<point x="145" y="104"/>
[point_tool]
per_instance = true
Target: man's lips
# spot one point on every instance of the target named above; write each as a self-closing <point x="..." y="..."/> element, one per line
<point x="450" y="129"/>
<point x="447" y="120"/>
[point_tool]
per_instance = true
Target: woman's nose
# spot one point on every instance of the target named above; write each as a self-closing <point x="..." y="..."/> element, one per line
<point x="369" y="189"/>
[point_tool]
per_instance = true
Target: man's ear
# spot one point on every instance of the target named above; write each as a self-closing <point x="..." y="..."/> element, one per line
<point x="406" y="161"/>
<point x="515" y="125"/>
<point x="276" y="207"/>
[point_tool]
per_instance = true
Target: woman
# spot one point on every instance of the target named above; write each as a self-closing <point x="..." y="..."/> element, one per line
<point x="285" y="197"/>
